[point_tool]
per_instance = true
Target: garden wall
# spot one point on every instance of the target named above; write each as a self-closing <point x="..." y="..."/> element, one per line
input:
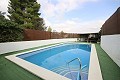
<point x="110" y="39"/>
<point x="15" y="46"/>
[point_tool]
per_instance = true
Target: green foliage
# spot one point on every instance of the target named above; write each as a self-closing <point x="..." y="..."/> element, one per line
<point x="28" y="26"/>
<point x="2" y="16"/>
<point x="38" y="23"/>
<point x="49" y="29"/>
<point x="25" y="13"/>
<point x="9" y="31"/>
<point x="62" y="32"/>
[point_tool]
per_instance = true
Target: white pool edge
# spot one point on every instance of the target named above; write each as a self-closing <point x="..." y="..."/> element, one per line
<point x="94" y="68"/>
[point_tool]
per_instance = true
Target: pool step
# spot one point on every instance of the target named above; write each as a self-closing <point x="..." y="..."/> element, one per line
<point x="75" y="76"/>
<point x="62" y="70"/>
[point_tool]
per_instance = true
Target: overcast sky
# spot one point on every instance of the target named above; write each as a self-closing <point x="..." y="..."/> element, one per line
<point x="74" y="16"/>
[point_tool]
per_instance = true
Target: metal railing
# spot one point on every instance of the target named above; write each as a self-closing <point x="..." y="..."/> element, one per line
<point x="80" y="70"/>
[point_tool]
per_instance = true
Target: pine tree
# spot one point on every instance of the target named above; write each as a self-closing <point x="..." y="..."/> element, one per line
<point x="9" y="31"/>
<point x="49" y="29"/>
<point x="25" y="13"/>
<point x="2" y="16"/>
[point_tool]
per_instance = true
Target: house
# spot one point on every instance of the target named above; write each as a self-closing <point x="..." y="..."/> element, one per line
<point x="90" y="37"/>
<point x="110" y="37"/>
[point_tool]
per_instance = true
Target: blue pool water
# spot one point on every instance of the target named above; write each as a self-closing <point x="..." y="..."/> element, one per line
<point x="56" y="58"/>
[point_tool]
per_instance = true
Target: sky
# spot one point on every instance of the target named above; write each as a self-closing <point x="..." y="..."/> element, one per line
<point x="74" y="16"/>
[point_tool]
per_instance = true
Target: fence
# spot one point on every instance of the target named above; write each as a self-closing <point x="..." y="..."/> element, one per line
<point x="43" y="35"/>
<point x="112" y="25"/>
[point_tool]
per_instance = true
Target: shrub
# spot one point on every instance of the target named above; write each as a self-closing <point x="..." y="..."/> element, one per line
<point x="10" y="31"/>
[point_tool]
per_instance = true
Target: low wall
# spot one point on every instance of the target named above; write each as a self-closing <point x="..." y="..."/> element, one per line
<point x="111" y="45"/>
<point x="15" y="46"/>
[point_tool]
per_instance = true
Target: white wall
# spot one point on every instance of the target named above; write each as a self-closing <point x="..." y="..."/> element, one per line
<point x="111" y="45"/>
<point x="15" y="46"/>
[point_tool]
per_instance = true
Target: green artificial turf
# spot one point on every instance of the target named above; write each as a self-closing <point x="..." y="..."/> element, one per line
<point x="11" y="71"/>
<point x="109" y="69"/>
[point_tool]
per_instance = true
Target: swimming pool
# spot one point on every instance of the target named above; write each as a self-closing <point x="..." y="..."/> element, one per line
<point x="56" y="59"/>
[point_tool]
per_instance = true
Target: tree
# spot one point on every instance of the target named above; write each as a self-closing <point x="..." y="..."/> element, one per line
<point x="49" y="29"/>
<point x="25" y="13"/>
<point x="62" y="32"/>
<point x="9" y="31"/>
<point x="2" y="16"/>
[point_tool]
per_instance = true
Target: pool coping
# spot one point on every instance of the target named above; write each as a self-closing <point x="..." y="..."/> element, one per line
<point x="94" y="68"/>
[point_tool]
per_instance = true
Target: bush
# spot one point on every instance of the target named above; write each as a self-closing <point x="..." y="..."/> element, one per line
<point x="27" y="26"/>
<point x="10" y="31"/>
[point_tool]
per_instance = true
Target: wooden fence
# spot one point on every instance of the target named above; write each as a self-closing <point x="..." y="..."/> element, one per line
<point x="30" y="34"/>
<point x="112" y="25"/>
